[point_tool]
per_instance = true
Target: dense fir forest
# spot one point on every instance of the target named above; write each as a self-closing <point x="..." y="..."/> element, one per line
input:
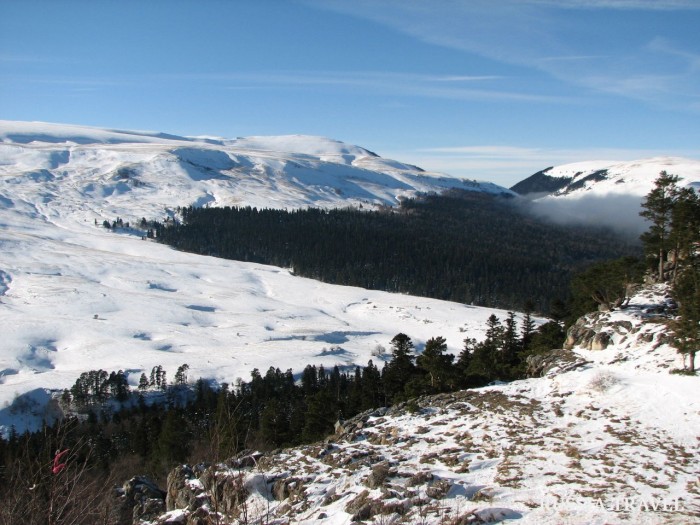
<point x="461" y="246"/>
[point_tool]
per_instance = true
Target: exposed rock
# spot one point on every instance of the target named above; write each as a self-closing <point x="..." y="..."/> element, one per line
<point x="600" y="341"/>
<point x="141" y="499"/>
<point x="581" y="333"/>
<point x="355" y="504"/>
<point x="378" y="475"/>
<point x="420" y="478"/>
<point x="183" y="489"/>
<point x="553" y="362"/>
<point x="199" y="517"/>
<point x="438" y="489"/>
<point x="226" y="489"/>
<point x="244" y="459"/>
<point x="284" y="488"/>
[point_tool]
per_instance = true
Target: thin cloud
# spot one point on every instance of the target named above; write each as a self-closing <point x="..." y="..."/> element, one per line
<point x="637" y="5"/>
<point x="507" y="165"/>
<point x="455" y="87"/>
<point x="536" y="34"/>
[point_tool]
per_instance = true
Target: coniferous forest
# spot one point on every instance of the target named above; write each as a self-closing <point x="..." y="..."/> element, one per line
<point x="116" y="431"/>
<point x="461" y="246"/>
<point x="464" y="247"/>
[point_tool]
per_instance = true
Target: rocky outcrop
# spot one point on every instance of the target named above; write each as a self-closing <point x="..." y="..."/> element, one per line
<point x="139" y="499"/>
<point x="596" y="331"/>
<point x="553" y="363"/>
<point x="183" y="490"/>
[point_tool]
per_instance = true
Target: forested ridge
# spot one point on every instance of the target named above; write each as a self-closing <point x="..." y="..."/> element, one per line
<point x="460" y="246"/>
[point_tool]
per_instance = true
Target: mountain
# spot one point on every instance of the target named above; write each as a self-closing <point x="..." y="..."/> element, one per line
<point x="606" y="436"/>
<point x="596" y="440"/>
<point x="602" y="192"/>
<point x="134" y="174"/>
<point x="75" y="296"/>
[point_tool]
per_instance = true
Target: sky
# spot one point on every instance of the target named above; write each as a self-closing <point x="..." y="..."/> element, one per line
<point x="486" y="89"/>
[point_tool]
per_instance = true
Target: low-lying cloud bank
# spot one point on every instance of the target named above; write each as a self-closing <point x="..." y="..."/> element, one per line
<point x="619" y="212"/>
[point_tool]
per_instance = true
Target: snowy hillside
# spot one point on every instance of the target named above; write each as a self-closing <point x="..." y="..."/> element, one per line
<point x="75" y="296"/>
<point x="613" y="440"/>
<point x="135" y="174"/>
<point x="602" y="192"/>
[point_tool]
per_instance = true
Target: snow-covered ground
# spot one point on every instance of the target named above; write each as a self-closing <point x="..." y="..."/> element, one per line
<point x="75" y="296"/>
<point x="610" y="193"/>
<point x="614" y="441"/>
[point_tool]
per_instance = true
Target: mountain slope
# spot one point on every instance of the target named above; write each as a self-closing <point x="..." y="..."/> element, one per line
<point x="136" y="174"/>
<point x="613" y="440"/>
<point x="602" y="192"/>
<point x="606" y="177"/>
<point x="75" y="296"/>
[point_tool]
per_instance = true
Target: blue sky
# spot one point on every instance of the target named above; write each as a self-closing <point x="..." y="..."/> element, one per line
<point x="488" y="89"/>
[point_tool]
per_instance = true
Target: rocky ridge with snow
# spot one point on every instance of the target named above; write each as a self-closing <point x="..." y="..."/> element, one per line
<point x="611" y="440"/>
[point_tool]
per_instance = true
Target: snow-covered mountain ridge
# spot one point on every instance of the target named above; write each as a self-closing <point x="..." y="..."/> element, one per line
<point x="602" y="193"/>
<point x="75" y="296"/>
<point x="141" y="173"/>
<point x="613" y="440"/>
<point x="606" y="177"/>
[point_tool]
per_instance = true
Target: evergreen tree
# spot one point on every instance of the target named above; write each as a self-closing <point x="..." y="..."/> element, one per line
<point x="173" y="441"/>
<point x="437" y="363"/>
<point x="373" y="395"/>
<point x="181" y="374"/>
<point x="485" y="358"/>
<point x="400" y="370"/>
<point x="321" y="415"/>
<point x="604" y="284"/>
<point x="657" y="209"/>
<point x="687" y="326"/>
<point x="508" y="354"/>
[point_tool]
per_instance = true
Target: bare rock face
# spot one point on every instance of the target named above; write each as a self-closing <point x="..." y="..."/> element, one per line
<point x="583" y="331"/>
<point x="284" y="488"/>
<point x="595" y="331"/>
<point x="181" y="491"/>
<point x="378" y="475"/>
<point x="553" y="362"/>
<point x="600" y="341"/>
<point x="226" y="489"/>
<point x="140" y="500"/>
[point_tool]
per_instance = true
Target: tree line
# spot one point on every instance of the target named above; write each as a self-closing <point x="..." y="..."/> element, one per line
<point x="460" y="246"/>
<point x="159" y="424"/>
<point x="670" y="255"/>
<point x="671" y="248"/>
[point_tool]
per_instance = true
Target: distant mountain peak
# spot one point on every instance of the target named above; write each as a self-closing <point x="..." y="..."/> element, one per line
<point x="602" y="193"/>
<point x="605" y="176"/>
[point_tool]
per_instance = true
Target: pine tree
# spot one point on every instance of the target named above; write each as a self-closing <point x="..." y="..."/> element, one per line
<point x="658" y="207"/>
<point x="181" y="374"/>
<point x="399" y="371"/>
<point x="437" y="363"/>
<point x="687" y="326"/>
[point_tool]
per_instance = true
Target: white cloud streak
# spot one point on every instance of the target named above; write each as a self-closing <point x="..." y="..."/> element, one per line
<point x="536" y="34"/>
<point x="507" y="165"/>
<point x="455" y="87"/>
<point x="637" y="5"/>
